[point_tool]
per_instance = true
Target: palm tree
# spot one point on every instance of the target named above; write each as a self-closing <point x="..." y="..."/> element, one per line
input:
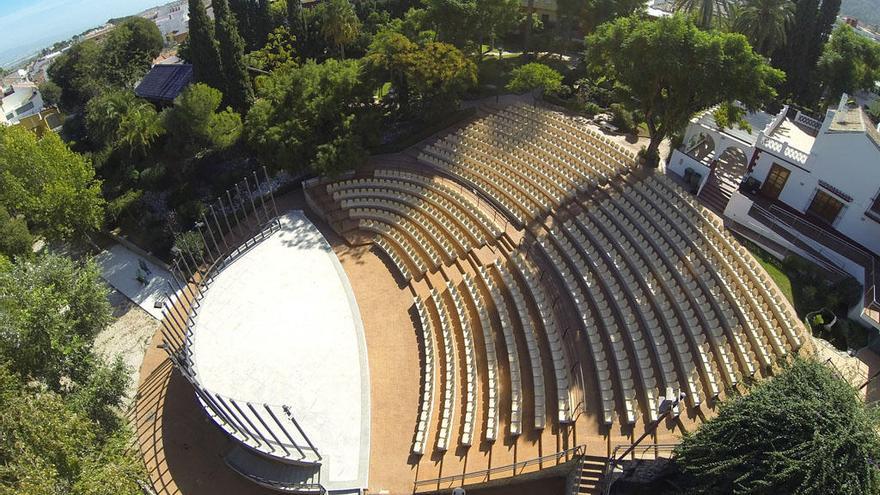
<point x="765" y="23"/>
<point x="705" y="10"/>
<point x="340" y="24"/>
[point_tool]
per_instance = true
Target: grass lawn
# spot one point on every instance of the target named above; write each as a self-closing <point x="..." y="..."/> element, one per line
<point x="778" y="276"/>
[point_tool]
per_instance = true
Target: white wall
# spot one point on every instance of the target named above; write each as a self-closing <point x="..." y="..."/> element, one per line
<point x="679" y="162"/>
<point x="847" y="161"/>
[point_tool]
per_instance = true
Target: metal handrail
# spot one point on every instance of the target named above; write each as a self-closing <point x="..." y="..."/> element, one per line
<point x="484" y="474"/>
<point x="638" y="452"/>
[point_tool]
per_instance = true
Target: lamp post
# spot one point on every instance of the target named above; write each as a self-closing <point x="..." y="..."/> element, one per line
<point x="666" y="407"/>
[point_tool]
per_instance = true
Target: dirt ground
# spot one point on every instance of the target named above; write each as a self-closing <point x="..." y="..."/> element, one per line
<point x="128" y="337"/>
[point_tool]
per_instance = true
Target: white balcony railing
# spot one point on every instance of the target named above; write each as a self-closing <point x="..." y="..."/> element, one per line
<point x="788" y="152"/>
<point x="807" y="121"/>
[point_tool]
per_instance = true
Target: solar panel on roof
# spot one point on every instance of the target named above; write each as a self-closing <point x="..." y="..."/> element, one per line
<point x="165" y="82"/>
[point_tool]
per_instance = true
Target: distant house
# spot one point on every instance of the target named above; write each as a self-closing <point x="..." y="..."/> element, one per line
<point x="164" y="82"/>
<point x="50" y="119"/>
<point x="19" y="99"/>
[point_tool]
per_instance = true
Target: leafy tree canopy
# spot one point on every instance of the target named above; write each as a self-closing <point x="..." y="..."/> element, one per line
<point x="48" y="446"/>
<point x="849" y="63"/>
<point x="589" y="14"/>
<point x="805" y="431"/>
<point x="194" y="123"/>
<point x="313" y="117"/>
<point x="340" y="24"/>
<point x="671" y="69"/>
<point x="49" y="185"/>
<point x="534" y="76"/>
<point x="278" y="50"/>
<point x="121" y="121"/>
<point x="15" y="238"/>
<point x="467" y="23"/>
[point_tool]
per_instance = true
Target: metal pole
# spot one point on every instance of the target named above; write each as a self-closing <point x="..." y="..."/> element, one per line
<point x="213" y="239"/>
<point x="234" y="212"/>
<point x="262" y="197"/>
<point x="271" y="194"/>
<point x="219" y="228"/>
<point x="251" y="197"/>
<point x="225" y="216"/>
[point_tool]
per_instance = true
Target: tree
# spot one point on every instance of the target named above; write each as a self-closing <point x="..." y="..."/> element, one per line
<point x="203" y="51"/>
<point x="811" y="26"/>
<point x="439" y="74"/>
<point x="238" y="89"/>
<point x="706" y="11"/>
<point x="50" y="92"/>
<point x="534" y="77"/>
<point x="50" y="186"/>
<point x="49" y="446"/>
<point x="671" y="69"/>
<point x="77" y="71"/>
<point x="340" y="23"/>
<point x="295" y="21"/>
<point x="51" y="309"/>
<point x="804" y="431"/>
<point x="849" y="63"/>
<point x="277" y="51"/>
<point x="121" y="121"/>
<point x="313" y="117"/>
<point x="764" y="23"/>
<point x="194" y="123"/>
<point x="15" y="238"/>
<point x="590" y="14"/>
<point x="386" y="61"/>
<point x="129" y="50"/>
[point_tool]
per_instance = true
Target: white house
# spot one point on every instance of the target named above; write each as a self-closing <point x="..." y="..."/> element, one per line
<point x="809" y="186"/>
<point x="20" y="99"/>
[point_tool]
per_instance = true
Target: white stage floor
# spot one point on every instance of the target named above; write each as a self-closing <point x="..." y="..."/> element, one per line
<point x="280" y="326"/>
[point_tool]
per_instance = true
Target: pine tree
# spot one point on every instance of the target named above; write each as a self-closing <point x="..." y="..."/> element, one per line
<point x="203" y="51"/>
<point x="812" y="25"/>
<point x="262" y="22"/>
<point x="295" y="19"/>
<point x="243" y="12"/>
<point x="239" y="92"/>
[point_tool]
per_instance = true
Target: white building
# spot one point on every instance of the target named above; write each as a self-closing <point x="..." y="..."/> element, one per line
<point x="20" y="99"/>
<point x="809" y="186"/>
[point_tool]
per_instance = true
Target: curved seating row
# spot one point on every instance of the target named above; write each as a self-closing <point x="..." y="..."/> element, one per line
<point x="450" y="361"/>
<point x="491" y="404"/>
<point x="470" y="366"/>
<point x="426" y="406"/>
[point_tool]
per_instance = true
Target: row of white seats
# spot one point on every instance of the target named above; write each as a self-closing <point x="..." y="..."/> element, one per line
<point x="581" y="154"/>
<point x="711" y="280"/>
<point x="591" y="330"/>
<point x="470" y="365"/>
<point x="530" y="335"/>
<point x="486" y="183"/>
<point x="538" y="153"/>
<point x="610" y="300"/>
<point x="435" y="188"/>
<point x="421" y="196"/>
<point x="406" y="205"/>
<point x="403" y="244"/>
<point x="670" y="297"/>
<point x="554" y="339"/>
<point x="522" y="174"/>
<point x="491" y="406"/>
<point x="426" y="406"/>
<point x="463" y="160"/>
<point x="392" y="253"/>
<point x="754" y="308"/>
<point x="551" y="168"/>
<point x="697" y="305"/>
<point x="512" y="353"/>
<point x="436" y="231"/>
<point x="615" y="151"/>
<point x="755" y="273"/>
<point x="433" y="257"/>
<point x="449" y="387"/>
<point x="657" y="312"/>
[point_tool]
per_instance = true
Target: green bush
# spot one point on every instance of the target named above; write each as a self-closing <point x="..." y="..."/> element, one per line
<point x="622" y="118"/>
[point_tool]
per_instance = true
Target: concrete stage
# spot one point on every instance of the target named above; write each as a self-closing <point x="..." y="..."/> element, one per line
<point x="280" y="326"/>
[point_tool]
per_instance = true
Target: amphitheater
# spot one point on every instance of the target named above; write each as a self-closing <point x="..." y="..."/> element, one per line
<point x="528" y="302"/>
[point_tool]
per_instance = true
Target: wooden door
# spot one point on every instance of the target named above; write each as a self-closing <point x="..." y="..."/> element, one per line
<point x="775" y="181"/>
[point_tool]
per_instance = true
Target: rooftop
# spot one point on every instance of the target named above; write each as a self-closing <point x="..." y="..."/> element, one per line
<point x="794" y="135"/>
<point x="164" y="82"/>
<point x="757" y="121"/>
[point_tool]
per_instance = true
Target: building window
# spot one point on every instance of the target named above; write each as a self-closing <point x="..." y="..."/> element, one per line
<point x="27" y="107"/>
<point x="825" y="207"/>
<point x="874" y="210"/>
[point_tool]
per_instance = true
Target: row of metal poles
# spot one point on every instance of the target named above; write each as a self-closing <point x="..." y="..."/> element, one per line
<point x="224" y="236"/>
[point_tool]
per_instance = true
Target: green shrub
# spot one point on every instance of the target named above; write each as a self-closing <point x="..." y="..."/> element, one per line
<point x="622" y="118"/>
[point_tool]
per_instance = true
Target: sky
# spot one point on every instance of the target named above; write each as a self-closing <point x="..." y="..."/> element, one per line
<point x="26" y="26"/>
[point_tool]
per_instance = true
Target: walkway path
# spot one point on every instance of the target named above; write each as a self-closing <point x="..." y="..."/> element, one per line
<point x="121" y="267"/>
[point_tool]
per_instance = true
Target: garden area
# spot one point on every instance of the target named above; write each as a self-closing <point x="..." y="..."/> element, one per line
<point x="821" y="300"/>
